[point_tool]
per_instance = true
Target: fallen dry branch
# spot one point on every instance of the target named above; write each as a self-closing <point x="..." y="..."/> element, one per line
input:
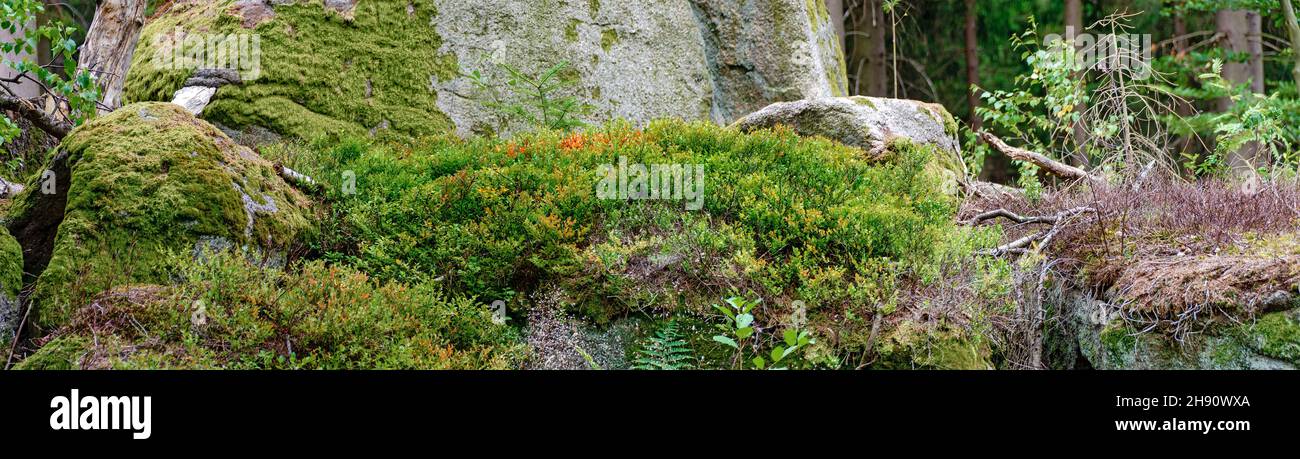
<point x="296" y="178"/>
<point x="1018" y="246"/>
<point x="30" y="111"/>
<point x="1052" y="166"/>
<point x="1044" y="219"/>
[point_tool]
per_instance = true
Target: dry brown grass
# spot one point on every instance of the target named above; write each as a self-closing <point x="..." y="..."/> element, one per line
<point x="1171" y="253"/>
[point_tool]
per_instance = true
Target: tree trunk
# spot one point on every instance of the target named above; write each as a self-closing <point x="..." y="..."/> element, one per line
<point x="877" y="49"/>
<point x="1293" y="28"/>
<point x="1074" y="22"/>
<point x="836" y="10"/>
<point x="973" y="63"/>
<point x="1255" y="45"/>
<point x="1074" y="15"/>
<point x="110" y="44"/>
<point x="1182" y="108"/>
<point x="1234" y="28"/>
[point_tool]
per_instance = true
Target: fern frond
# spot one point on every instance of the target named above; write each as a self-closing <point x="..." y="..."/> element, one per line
<point x="665" y="350"/>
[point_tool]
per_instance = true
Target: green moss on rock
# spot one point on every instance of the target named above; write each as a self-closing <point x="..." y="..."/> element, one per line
<point x="1275" y="335"/>
<point x="63" y="353"/>
<point x="145" y="182"/>
<point x="910" y="345"/>
<point x="1271" y="342"/>
<point x="11" y="282"/>
<point x="322" y="73"/>
<point x="11" y="265"/>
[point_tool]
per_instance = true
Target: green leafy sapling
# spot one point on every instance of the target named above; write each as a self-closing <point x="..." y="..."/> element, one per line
<point x="794" y="340"/>
<point x="539" y="101"/>
<point x="739" y="327"/>
<point x="739" y="333"/>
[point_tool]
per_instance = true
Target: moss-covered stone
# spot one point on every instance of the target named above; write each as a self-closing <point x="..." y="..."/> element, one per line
<point x="1275" y="335"/>
<point x="24" y="154"/>
<point x="321" y="73"/>
<point x="910" y="345"/>
<point x="137" y="186"/>
<point x="1271" y="342"/>
<point x="11" y="265"/>
<point x="11" y="283"/>
<point x="63" y="353"/>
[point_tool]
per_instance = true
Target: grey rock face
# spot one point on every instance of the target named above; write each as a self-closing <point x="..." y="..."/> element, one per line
<point x="1108" y="342"/>
<point x="696" y="59"/>
<point x="628" y="59"/>
<point x="765" y="51"/>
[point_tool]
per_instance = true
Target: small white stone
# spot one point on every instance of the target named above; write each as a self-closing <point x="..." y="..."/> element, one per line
<point x="194" y="98"/>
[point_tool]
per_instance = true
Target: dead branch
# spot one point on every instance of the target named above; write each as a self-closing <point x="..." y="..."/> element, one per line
<point x="296" y="178"/>
<point x="1021" y="245"/>
<point x="1052" y="166"/>
<point x="1044" y="219"/>
<point x="29" y="111"/>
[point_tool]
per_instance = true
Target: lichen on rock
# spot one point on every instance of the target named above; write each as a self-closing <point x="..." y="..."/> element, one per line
<point x="869" y="123"/>
<point x="139" y="185"/>
<point x="769" y="51"/>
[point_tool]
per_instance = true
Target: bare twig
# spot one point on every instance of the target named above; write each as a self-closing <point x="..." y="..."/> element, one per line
<point x="1042" y="237"/>
<point x="1050" y="165"/>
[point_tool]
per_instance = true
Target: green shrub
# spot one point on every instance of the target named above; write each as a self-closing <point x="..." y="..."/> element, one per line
<point x="228" y="312"/>
<point x="496" y="218"/>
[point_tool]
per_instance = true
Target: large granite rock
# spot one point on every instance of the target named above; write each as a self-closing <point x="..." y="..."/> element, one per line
<point x="869" y="123"/>
<point x="360" y="67"/>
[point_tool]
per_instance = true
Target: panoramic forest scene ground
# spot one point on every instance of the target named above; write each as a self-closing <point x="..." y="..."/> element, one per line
<point x="650" y="185"/>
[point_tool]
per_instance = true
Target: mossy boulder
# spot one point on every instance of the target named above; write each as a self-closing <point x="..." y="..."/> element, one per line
<point x="351" y="68"/>
<point x="876" y="125"/>
<point x="869" y="123"/>
<point x="11" y="282"/>
<point x="1267" y="342"/>
<point x="129" y="191"/>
